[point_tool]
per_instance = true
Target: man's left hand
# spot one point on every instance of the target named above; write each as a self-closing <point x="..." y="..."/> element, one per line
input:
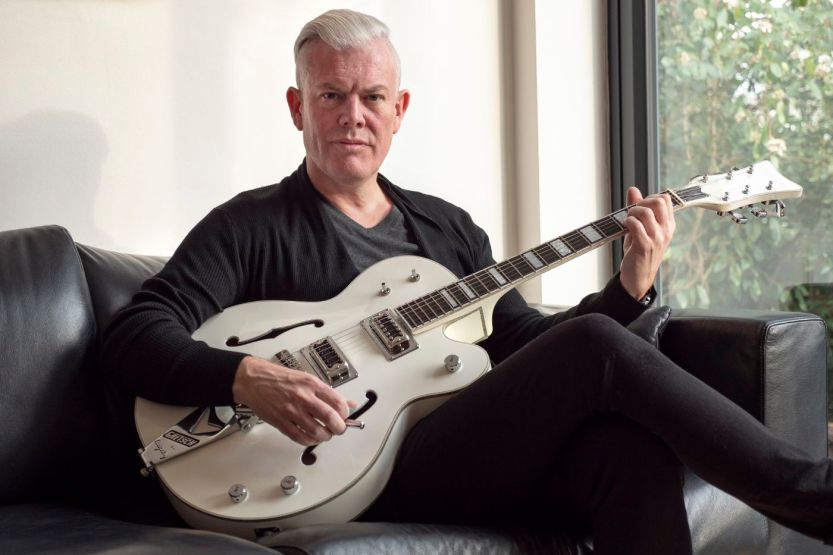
<point x="650" y="224"/>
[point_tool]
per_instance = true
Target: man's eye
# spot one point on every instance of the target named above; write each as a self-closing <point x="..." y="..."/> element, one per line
<point x="374" y="97"/>
<point x="329" y="96"/>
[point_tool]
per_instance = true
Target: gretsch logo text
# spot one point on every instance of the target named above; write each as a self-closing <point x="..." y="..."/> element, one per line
<point x="182" y="439"/>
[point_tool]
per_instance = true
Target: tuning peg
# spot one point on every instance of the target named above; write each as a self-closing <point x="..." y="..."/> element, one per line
<point x="779" y="207"/>
<point x="758" y="212"/>
<point x="737" y="217"/>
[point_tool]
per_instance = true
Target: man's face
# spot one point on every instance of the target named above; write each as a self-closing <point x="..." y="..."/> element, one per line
<point x="348" y="108"/>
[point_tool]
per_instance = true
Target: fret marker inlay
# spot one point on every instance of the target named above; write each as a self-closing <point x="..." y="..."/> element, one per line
<point x="469" y="293"/>
<point x="561" y="248"/>
<point x="590" y="233"/>
<point x="448" y="298"/>
<point x="498" y="278"/>
<point x="534" y="260"/>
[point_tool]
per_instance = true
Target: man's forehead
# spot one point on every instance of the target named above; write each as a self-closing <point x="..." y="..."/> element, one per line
<point x="326" y="64"/>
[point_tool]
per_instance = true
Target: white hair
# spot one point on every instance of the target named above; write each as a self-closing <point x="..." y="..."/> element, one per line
<point x="342" y="29"/>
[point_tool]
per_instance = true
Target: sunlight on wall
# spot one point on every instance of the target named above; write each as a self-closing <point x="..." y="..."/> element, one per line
<point x="127" y="121"/>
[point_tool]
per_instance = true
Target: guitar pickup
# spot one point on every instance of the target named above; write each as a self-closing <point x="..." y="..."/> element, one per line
<point x="390" y="334"/>
<point x="329" y="362"/>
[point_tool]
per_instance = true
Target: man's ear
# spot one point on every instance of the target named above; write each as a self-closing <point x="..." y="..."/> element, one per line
<point x="401" y="107"/>
<point x="293" y="99"/>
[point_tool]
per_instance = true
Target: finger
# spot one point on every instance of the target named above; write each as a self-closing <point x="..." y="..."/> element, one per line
<point x="329" y="418"/>
<point x="634" y="195"/>
<point x="646" y="218"/>
<point x="637" y="233"/>
<point x="294" y="433"/>
<point x="313" y="428"/>
<point x="658" y="206"/>
<point x="663" y="212"/>
<point x="334" y="399"/>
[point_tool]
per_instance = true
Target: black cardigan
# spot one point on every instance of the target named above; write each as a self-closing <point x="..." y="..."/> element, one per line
<point x="275" y="242"/>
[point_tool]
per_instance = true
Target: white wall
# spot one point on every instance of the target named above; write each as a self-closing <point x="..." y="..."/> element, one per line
<point x="127" y="121"/>
<point x="572" y="138"/>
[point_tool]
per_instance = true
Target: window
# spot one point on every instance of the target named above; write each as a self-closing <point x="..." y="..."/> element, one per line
<point x="742" y="81"/>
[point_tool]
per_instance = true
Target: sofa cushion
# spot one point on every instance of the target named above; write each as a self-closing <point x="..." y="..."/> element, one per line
<point x="50" y="398"/>
<point x="114" y="277"/>
<point x="371" y="538"/>
<point x="52" y="528"/>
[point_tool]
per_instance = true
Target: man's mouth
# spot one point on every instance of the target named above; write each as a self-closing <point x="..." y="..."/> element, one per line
<point x="350" y="142"/>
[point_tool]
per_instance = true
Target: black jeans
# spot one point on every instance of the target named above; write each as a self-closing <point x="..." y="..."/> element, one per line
<point x="585" y="428"/>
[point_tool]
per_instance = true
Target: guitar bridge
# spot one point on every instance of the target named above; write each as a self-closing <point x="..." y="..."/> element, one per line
<point x="328" y="360"/>
<point x="390" y="334"/>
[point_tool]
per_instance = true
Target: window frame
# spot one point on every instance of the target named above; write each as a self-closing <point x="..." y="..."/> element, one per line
<point x="633" y="92"/>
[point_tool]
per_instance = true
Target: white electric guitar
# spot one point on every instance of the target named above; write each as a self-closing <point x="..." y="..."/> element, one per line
<point x="399" y="340"/>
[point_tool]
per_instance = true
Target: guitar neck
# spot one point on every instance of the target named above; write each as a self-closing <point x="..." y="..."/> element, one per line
<point x="444" y="304"/>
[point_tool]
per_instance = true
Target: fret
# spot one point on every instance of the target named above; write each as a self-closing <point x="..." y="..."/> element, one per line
<point x="419" y="310"/>
<point x="452" y="302"/>
<point x="431" y="305"/>
<point x="576" y="241"/>
<point x="443" y="304"/>
<point x="620" y="215"/>
<point x="488" y="280"/>
<point x="458" y="294"/>
<point x="520" y="263"/>
<point x="406" y="313"/>
<point x="476" y="285"/>
<point x="609" y="226"/>
<point x="547" y="254"/>
<point x="509" y="271"/>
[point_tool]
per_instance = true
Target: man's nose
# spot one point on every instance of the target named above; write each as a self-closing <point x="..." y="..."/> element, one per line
<point x="352" y="114"/>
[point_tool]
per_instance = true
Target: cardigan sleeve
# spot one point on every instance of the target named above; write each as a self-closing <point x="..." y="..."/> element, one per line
<point x="147" y="348"/>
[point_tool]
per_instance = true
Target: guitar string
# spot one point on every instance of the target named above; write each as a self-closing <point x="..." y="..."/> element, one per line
<point x="436" y="303"/>
<point x="432" y="301"/>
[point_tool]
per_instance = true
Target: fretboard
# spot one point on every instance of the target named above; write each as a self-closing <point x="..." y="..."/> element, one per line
<point x="505" y="275"/>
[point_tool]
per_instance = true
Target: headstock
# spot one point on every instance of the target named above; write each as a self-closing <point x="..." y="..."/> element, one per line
<point x="726" y="192"/>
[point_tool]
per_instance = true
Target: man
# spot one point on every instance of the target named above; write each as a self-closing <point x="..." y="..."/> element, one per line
<point x="581" y="424"/>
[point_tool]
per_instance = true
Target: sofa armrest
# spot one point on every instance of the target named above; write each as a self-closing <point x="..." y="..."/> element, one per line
<point x="773" y="364"/>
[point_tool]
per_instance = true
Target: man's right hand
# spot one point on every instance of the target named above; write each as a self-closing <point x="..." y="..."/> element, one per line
<point x="301" y="406"/>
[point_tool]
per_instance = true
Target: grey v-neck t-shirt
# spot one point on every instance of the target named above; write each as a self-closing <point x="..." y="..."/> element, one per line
<point x="390" y="237"/>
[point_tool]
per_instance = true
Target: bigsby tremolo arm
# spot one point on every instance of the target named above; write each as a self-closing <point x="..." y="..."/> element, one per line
<point x="202" y="426"/>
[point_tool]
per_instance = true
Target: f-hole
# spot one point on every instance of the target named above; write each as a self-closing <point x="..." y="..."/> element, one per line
<point x="309" y="458"/>
<point x="235" y="341"/>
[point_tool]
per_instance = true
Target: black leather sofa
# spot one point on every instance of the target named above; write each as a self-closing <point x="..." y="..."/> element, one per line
<point x="69" y="481"/>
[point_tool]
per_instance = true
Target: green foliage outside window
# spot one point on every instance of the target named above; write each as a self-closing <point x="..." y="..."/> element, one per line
<point x="739" y="82"/>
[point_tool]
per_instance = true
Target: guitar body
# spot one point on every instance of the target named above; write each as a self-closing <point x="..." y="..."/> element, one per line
<point x="373" y="324"/>
<point x="351" y="470"/>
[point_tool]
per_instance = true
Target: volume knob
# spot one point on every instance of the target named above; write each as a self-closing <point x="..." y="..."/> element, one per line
<point x="238" y="493"/>
<point x="290" y="485"/>
<point x="453" y="363"/>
